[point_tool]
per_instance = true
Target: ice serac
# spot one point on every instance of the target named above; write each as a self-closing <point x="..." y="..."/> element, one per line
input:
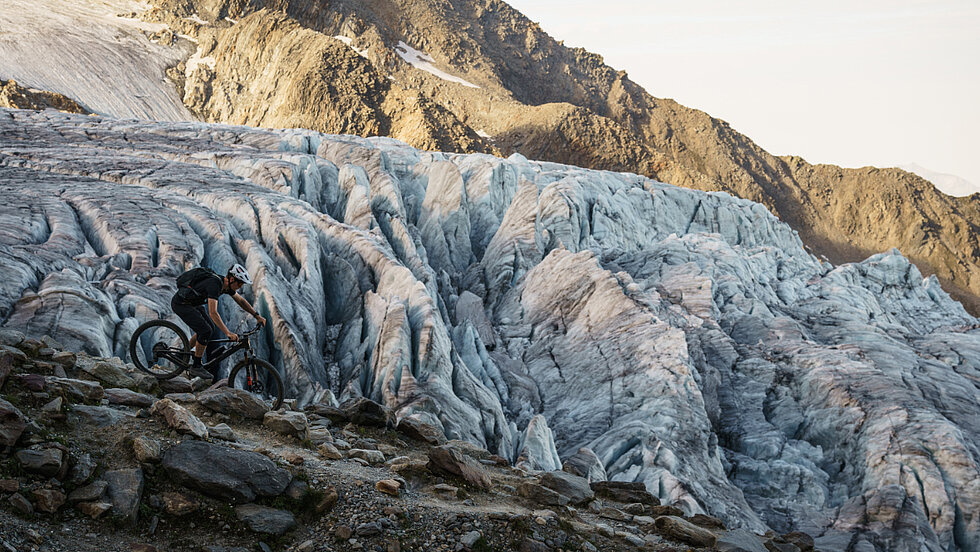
<point x="688" y="339"/>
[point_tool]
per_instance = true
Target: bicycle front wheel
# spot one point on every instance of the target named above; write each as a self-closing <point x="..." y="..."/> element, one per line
<point x="160" y="348"/>
<point x="259" y="378"/>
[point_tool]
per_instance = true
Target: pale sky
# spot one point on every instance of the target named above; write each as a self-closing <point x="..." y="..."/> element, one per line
<point x="852" y="83"/>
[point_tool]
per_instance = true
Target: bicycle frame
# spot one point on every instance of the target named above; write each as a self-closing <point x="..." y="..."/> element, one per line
<point x="241" y="344"/>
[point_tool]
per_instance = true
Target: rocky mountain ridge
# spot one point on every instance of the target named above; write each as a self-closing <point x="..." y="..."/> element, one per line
<point x="536" y="97"/>
<point x="530" y="308"/>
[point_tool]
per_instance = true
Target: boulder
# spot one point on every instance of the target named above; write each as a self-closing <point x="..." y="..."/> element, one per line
<point x="11" y="338"/>
<point x="574" y="487"/>
<point x="21" y="504"/>
<point x="676" y="529"/>
<point x="371" y="456"/>
<point x="178" y="504"/>
<point x="262" y="519"/>
<point x="388" y="486"/>
<point x="88" y="493"/>
<point x="83" y="469"/>
<point x="585" y="463"/>
<point x="12" y="424"/>
<point x="740" y="540"/>
<point x="147" y="450"/>
<point x="128" y="397"/>
<point x="9" y="485"/>
<point x="541" y="494"/>
<point x="286" y="422"/>
<point x="180" y="418"/>
<point x="6" y="366"/>
<point x="65" y="359"/>
<point x="108" y="372"/>
<point x="801" y="540"/>
<point x="421" y="431"/>
<point x="626" y="492"/>
<point x="448" y="459"/>
<point x="99" y="416"/>
<point x="224" y="473"/>
<point x="125" y="489"/>
<point x="75" y="390"/>
<point x="365" y="412"/>
<point x="48" y="500"/>
<point x="177" y="384"/>
<point x="94" y="510"/>
<point x="223" y="432"/>
<point x="234" y="402"/>
<point x="330" y="452"/>
<point x="319" y="435"/>
<point x="47" y="461"/>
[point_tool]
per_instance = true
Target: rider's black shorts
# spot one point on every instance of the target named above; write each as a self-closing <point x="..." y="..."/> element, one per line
<point x="196" y="317"/>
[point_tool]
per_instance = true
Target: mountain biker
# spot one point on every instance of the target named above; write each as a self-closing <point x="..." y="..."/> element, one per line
<point x="203" y="287"/>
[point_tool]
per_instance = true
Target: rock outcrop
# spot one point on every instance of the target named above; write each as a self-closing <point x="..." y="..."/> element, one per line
<point x="687" y="338"/>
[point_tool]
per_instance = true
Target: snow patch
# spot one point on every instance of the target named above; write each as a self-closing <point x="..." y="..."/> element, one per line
<point x="483" y="134"/>
<point x="194" y="18"/>
<point x="196" y="61"/>
<point x="350" y="44"/>
<point x="230" y="20"/>
<point x="423" y="61"/>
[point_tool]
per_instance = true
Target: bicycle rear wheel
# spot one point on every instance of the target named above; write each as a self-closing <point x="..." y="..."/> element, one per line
<point x="160" y="348"/>
<point x="259" y="378"/>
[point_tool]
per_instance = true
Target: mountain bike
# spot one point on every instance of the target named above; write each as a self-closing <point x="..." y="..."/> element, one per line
<point x="161" y="348"/>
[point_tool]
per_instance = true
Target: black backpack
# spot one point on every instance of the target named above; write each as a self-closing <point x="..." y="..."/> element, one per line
<point x="187" y="281"/>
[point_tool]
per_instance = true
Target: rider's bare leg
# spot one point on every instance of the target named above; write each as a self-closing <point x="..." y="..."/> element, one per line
<point x="193" y="340"/>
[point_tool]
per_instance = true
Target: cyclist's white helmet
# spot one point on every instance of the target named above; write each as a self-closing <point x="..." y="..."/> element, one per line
<point x="239" y="273"/>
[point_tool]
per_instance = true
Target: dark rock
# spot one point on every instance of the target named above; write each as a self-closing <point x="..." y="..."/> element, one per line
<point x="47" y="461"/>
<point x="365" y="412"/>
<point x="801" y="540"/>
<point x="99" y="416"/>
<point x="677" y="529"/>
<point x="332" y="413"/>
<point x="531" y="545"/>
<point x="624" y="491"/>
<point x="9" y="485"/>
<point x="614" y="514"/>
<point x="128" y="397"/>
<point x="330" y="498"/>
<point x="233" y="401"/>
<point x="75" y="390"/>
<point x="262" y="519"/>
<point x="178" y="384"/>
<point x="708" y="522"/>
<point x="224" y="473"/>
<point x="48" y="500"/>
<point x="21" y="504"/>
<point x="12" y="424"/>
<point x="83" y="469"/>
<point x="88" y="493"/>
<point x="574" y="487"/>
<point x="740" y="540"/>
<point x="125" y="491"/>
<point x="110" y="373"/>
<point x="6" y="366"/>
<point x="421" y="431"/>
<point x="448" y="459"/>
<point x="33" y="382"/>
<point x="779" y="546"/>
<point x="65" y="359"/>
<point x="541" y="494"/>
<point x="666" y="511"/>
<point x="223" y="432"/>
<point x="343" y="532"/>
<point x="368" y="529"/>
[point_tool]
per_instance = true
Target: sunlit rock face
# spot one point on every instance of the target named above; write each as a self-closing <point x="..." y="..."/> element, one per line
<point x="688" y="338"/>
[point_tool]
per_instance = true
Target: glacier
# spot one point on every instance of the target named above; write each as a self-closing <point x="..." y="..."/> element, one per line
<point x="689" y="339"/>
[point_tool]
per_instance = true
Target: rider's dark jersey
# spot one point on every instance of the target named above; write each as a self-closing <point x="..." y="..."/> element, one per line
<point x="199" y="292"/>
